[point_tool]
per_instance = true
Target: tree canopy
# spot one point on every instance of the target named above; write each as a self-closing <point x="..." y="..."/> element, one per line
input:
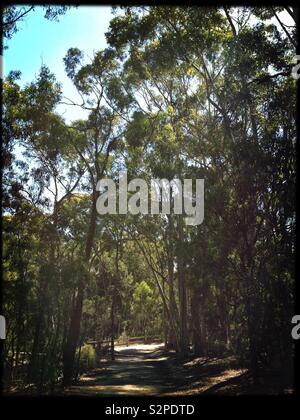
<point x="179" y="92"/>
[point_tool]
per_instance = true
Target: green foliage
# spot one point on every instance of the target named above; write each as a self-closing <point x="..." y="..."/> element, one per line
<point x="87" y="357"/>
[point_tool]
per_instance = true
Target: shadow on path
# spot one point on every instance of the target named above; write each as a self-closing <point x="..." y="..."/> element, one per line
<point x="137" y="370"/>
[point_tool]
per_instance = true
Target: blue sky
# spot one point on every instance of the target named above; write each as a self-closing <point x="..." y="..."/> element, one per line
<point x="40" y="41"/>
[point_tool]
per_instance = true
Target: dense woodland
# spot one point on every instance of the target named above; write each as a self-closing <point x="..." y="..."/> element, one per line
<point x="179" y="92"/>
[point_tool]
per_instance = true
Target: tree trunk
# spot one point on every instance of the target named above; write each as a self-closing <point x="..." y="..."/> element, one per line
<point x="112" y="317"/>
<point x="72" y="339"/>
<point x="183" y="340"/>
<point x="74" y="330"/>
<point x="173" y="306"/>
<point x="198" y="348"/>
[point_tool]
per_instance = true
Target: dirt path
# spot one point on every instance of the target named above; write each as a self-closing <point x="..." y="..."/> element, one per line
<point x="138" y="370"/>
<point x="147" y="370"/>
